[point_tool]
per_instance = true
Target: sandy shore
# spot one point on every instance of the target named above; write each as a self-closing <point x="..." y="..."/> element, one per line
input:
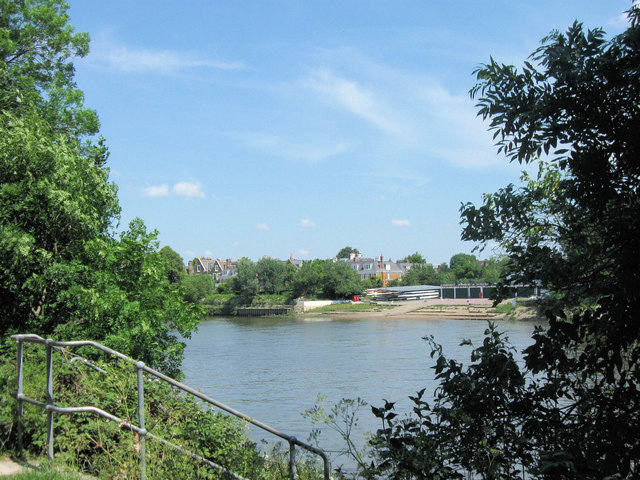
<point x="480" y="308"/>
<point x="9" y="466"/>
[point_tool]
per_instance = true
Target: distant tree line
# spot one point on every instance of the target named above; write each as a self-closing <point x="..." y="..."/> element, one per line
<point x="328" y="279"/>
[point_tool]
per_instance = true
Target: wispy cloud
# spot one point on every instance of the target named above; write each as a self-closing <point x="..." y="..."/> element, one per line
<point x="262" y="226"/>
<point x="419" y="113"/>
<point x="622" y="20"/>
<point x="181" y="189"/>
<point x="304" y="252"/>
<point x="400" y="223"/>
<point x="156" y="191"/>
<point x="310" y="151"/>
<point x="133" y="59"/>
<point x="306" y="223"/>
<point x="188" y="189"/>
<point x="349" y="94"/>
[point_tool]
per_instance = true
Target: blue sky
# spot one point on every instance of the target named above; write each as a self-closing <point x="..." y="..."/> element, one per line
<point x="251" y="128"/>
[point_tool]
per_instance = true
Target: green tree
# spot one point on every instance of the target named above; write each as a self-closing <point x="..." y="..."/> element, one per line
<point x="492" y="269"/>
<point x="118" y="293"/>
<point x="445" y="274"/>
<point x="245" y="283"/>
<point x="196" y="287"/>
<point x="175" y="265"/>
<point x="375" y="282"/>
<point x="415" y="258"/>
<point x="340" y="281"/>
<point x="573" y="228"/>
<point x="574" y="411"/>
<point x="471" y="426"/>
<point x="36" y="48"/>
<point x="289" y="274"/>
<point x="465" y="267"/>
<point x="345" y="252"/>
<point x="270" y="272"/>
<point x="421" y="274"/>
<point x="53" y="200"/>
<point x="62" y="270"/>
<point x="308" y="279"/>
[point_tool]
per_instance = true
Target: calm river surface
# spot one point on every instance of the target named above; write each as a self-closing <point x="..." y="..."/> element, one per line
<point x="273" y="369"/>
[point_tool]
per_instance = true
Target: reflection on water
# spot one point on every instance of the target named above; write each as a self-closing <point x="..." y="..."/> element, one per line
<point x="273" y="368"/>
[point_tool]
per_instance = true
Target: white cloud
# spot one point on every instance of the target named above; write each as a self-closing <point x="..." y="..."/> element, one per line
<point x="303" y="252"/>
<point x="306" y="223"/>
<point x="311" y="151"/>
<point x="140" y="60"/>
<point x="156" y="191"/>
<point x="422" y="115"/>
<point x="622" y="20"/>
<point x="400" y="223"/>
<point x="379" y="198"/>
<point x="352" y="96"/>
<point x="262" y="226"/>
<point x="188" y="189"/>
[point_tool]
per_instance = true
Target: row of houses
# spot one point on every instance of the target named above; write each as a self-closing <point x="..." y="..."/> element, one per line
<point x="367" y="268"/>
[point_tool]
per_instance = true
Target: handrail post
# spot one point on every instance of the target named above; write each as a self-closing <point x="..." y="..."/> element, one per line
<point x="143" y="465"/>
<point x="49" y="346"/>
<point x="19" y="395"/>
<point x="292" y="458"/>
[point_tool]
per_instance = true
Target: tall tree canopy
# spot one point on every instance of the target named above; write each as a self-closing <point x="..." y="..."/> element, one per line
<point x="36" y="48"/>
<point x="415" y="258"/>
<point x="465" y="267"/>
<point x="63" y="271"/>
<point x="175" y="265"/>
<point x="345" y="252"/>
<point x="573" y="227"/>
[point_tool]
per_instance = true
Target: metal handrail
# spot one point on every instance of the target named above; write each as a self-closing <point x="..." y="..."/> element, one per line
<point x="140" y="429"/>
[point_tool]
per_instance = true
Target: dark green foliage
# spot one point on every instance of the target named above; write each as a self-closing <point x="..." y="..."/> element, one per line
<point x="63" y="272"/>
<point x="36" y="46"/>
<point x="271" y="275"/>
<point x="374" y="282"/>
<point x="475" y="423"/>
<point x="99" y="447"/>
<point x="340" y="281"/>
<point x="466" y="268"/>
<point x="52" y="201"/>
<point x="326" y="279"/>
<point x="415" y="258"/>
<point x="196" y="287"/>
<point x="573" y="410"/>
<point x="175" y="265"/>
<point x="245" y="283"/>
<point x="308" y="279"/>
<point x="345" y="252"/>
<point x="574" y="229"/>
<point x="421" y="274"/>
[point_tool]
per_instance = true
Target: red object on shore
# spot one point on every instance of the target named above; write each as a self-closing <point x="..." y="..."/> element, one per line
<point x="356" y="298"/>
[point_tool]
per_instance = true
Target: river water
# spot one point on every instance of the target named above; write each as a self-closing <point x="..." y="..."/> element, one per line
<point x="274" y="368"/>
